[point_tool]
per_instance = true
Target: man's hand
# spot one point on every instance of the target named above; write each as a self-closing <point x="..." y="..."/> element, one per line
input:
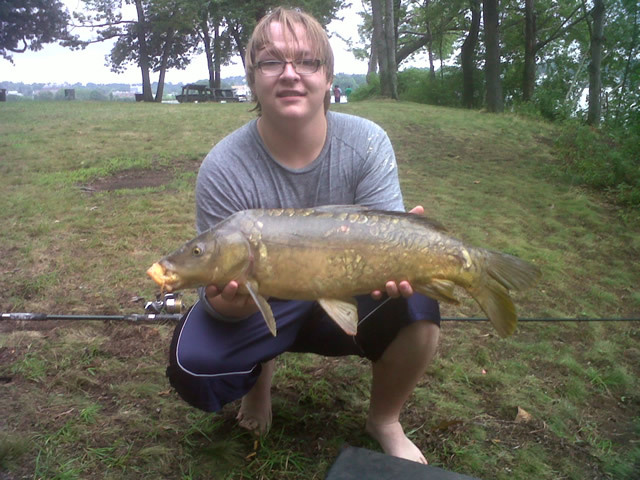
<point x="229" y="302"/>
<point x="402" y="289"/>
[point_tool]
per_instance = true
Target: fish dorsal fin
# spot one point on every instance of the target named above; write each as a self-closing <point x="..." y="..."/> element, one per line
<point x="438" y="289"/>
<point x="263" y="305"/>
<point x="343" y="312"/>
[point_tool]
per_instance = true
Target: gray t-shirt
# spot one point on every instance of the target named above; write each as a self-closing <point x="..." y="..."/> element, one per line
<point x="357" y="166"/>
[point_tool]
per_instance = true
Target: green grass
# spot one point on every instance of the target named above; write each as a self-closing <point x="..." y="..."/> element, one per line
<point x="96" y="192"/>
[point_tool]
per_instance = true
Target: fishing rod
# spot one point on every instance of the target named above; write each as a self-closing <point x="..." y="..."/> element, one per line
<point x="132" y="317"/>
<point x="169" y="308"/>
<point x="174" y="317"/>
<point x="550" y="320"/>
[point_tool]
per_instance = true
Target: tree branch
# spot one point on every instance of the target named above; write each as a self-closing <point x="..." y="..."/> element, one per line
<point x="561" y="29"/>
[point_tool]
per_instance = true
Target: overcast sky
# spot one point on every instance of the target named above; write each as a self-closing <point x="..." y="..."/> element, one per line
<point x="55" y="64"/>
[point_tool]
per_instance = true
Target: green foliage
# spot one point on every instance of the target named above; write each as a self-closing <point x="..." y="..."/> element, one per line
<point x="29" y="24"/>
<point x="369" y="90"/>
<point x="606" y="160"/>
<point x="417" y="85"/>
<point x="347" y="80"/>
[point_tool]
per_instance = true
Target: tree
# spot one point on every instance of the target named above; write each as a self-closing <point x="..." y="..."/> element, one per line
<point x="139" y="33"/>
<point x="30" y="24"/>
<point x="384" y="39"/>
<point x="161" y="36"/>
<point x="556" y="22"/>
<point x="595" y="75"/>
<point x="495" y="102"/>
<point x="223" y="26"/>
<point x="217" y="35"/>
<point x="467" y="55"/>
<point x="529" y="78"/>
<point x="391" y="29"/>
<point x="622" y="62"/>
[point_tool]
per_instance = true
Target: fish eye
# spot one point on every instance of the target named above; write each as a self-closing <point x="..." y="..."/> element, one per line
<point x="197" y="251"/>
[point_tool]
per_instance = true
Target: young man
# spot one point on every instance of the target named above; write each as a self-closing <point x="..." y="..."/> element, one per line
<point x="297" y="154"/>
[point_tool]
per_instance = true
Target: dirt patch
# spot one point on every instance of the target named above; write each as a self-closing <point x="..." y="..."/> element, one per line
<point x="143" y="177"/>
<point x="131" y="178"/>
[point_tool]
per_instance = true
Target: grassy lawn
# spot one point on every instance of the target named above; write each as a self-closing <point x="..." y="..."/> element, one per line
<point x="93" y="193"/>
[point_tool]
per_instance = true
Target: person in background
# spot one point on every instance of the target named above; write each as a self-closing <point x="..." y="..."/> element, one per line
<point x="347" y="92"/>
<point x="337" y="93"/>
<point x="298" y="154"/>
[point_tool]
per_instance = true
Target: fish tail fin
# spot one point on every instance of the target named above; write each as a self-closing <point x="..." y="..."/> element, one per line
<point x="505" y="272"/>
<point x="511" y="272"/>
<point x="494" y="300"/>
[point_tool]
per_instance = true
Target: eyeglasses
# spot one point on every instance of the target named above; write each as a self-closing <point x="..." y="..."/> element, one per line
<point x="272" y="68"/>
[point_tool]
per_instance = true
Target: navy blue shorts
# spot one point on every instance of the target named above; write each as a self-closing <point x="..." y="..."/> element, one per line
<point x="212" y="363"/>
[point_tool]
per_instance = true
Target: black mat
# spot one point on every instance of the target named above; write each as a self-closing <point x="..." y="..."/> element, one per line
<point x="362" y="464"/>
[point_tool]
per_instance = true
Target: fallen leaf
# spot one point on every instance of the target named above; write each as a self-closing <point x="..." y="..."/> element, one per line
<point x="523" y="416"/>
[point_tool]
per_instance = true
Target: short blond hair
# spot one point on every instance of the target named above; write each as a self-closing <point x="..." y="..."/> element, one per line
<point x="289" y="19"/>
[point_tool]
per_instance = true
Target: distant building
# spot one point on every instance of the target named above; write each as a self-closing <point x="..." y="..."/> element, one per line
<point x="243" y="92"/>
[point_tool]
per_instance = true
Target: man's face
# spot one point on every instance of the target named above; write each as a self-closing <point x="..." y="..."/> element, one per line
<point x="290" y="95"/>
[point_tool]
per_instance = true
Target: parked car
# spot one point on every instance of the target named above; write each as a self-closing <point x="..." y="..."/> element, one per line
<point x="201" y="93"/>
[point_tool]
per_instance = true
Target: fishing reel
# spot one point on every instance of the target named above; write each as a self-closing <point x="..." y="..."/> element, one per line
<point x="167" y="303"/>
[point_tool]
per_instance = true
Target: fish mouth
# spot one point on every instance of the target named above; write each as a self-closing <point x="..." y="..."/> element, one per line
<point x="160" y="274"/>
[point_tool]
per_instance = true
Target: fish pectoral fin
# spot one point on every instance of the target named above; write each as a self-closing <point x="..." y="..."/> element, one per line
<point x="343" y="312"/>
<point x="263" y="305"/>
<point x="438" y="289"/>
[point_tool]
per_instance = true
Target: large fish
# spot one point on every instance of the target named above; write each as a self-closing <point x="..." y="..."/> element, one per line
<point x="331" y="254"/>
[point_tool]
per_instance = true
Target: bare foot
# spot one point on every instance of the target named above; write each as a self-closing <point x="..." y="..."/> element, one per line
<point x="394" y="442"/>
<point x="255" y="414"/>
<point x="255" y="409"/>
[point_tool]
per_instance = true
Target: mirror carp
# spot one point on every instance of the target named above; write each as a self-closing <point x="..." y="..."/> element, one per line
<point x="331" y="254"/>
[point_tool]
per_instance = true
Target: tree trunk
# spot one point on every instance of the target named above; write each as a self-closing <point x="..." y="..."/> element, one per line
<point x="467" y="55"/>
<point x="240" y="46"/>
<point x="432" y="67"/>
<point x="390" y="41"/>
<point x="372" y="67"/>
<point x="206" y="41"/>
<point x="495" y="102"/>
<point x="163" y="66"/>
<point x="529" y="79"/>
<point x="381" y="46"/>
<point x="216" y="55"/>
<point x="595" y="74"/>
<point x="143" y="61"/>
<point x="441" y="55"/>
